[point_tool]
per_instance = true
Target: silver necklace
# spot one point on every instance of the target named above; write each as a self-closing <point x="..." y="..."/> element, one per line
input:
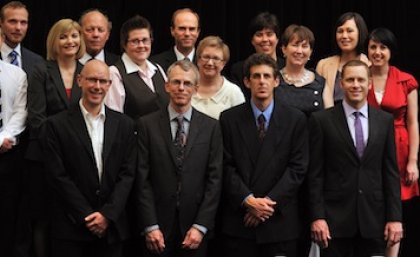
<point x="289" y="79"/>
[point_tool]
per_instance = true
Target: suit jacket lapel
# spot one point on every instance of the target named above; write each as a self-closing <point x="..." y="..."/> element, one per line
<point x="165" y="127"/>
<point x="110" y="130"/>
<point x="195" y="125"/>
<point x="343" y="128"/>
<point x="55" y="75"/>
<point x="78" y="122"/>
<point x="373" y="128"/>
<point x="248" y="130"/>
<point x="76" y="93"/>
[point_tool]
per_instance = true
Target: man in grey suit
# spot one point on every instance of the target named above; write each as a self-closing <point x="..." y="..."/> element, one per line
<point x="179" y="171"/>
<point x="14" y="25"/>
<point x="353" y="177"/>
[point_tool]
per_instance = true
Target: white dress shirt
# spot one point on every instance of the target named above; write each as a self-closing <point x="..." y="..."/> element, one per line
<point x="86" y="57"/>
<point x="14" y="86"/>
<point x="115" y="98"/>
<point x="6" y="50"/>
<point x="95" y="127"/>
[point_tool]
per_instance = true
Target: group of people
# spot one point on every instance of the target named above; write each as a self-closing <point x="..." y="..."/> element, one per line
<point x="170" y="155"/>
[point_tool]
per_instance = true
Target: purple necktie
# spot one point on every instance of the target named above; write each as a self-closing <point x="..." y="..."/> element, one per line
<point x="358" y="134"/>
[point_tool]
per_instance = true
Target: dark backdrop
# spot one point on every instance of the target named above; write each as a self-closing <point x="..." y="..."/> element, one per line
<point x="229" y="20"/>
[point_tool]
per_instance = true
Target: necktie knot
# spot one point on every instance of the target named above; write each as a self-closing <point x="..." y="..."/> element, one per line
<point x="261" y="126"/>
<point x="14" y="58"/>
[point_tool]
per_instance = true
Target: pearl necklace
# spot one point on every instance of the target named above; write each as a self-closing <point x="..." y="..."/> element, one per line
<point x="290" y="80"/>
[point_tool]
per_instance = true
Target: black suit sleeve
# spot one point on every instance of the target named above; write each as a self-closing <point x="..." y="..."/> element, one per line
<point x="316" y="170"/>
<point x="391" y="178"/>
<point x="37" y="102"/>
<point x="146" y="209"/>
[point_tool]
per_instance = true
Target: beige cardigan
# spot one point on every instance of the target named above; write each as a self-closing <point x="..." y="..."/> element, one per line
<point x="328" y="69"/>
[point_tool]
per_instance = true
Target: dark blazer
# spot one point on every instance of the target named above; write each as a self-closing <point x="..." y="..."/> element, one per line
<point x="274" y="168"/>
<point x="46" y="97"/>
<point x="165" y="59"/>
<point x="110" y="58"/>
<point x="353" y="194"/>
<point x="199" y="181"/>
<point x="73" y="174"/>
<point x="29" y="60"/>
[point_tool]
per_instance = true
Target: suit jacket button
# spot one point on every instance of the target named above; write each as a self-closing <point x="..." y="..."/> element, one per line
<point x="97" y="192"/>
<point x="360" y="191"/>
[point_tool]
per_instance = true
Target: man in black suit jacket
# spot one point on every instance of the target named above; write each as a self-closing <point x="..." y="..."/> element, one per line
<point x="354" y="184"/>
<point x="264" y="165"/>
<point x="14" y="25"/>
<point x="96" y="28"/>
<point x="179" y="171"/>
<point x="185" y="29"/>
<point x="90" y="158"/>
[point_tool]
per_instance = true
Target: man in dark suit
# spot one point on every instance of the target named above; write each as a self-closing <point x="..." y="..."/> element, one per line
<point x="96" y="28"/>
<point x="185" y="29"/>
<point x="265" y="161"/>
<point x="14" y="25"/>
<point x="353" y="177"/>
<point x="90" y="158"/>
<point x="179" y="171"/>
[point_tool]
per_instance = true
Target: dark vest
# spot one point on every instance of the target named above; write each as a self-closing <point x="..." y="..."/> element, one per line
<point x="139" y="98"/>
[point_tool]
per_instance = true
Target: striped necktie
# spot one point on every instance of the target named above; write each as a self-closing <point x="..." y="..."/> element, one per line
<point x="14" y="58"/>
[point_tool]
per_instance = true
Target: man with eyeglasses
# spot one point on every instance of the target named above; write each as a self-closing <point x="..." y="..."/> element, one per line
<point x="185" y="29"/>
<point x="179" y="171"/>
<point x="90" y="158"/>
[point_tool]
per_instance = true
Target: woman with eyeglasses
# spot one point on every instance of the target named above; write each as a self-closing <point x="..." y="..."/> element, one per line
<point x="138" y="85"/>
<point x="52" y="88"/>
<point x="214" y="92"/>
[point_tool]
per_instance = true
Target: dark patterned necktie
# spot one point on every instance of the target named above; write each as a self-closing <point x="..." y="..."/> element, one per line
<point x="180" y="140"/>
<point x="261" y="127"/>
<point x="358" y="134"/>
<point x="14" y="58"/>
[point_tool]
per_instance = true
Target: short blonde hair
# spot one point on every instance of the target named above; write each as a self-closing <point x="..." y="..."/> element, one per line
<point x="60" y="27"/>
<point x="216" y="42"/>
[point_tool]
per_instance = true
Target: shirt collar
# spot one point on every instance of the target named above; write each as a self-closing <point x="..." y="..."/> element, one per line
<point x="86" y="114"/>
<point x="173" y="114"/>
<point x="267" y="112"/>
<point x="132" y="67"/>
<point x="6" y="50"/>
<point x="180" y="56"/>
<point x="349" y="110"/>
<point x="86" y="57"/>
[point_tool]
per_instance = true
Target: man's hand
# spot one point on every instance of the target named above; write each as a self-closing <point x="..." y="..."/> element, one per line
<point x="261" y="208"/>
<point x="393" y="232"/>
<point x="251" y="221"/>
<point x="320" y="232"/>
<point x="7" y="145"/>
<point x="97" y="224"/>
<point x="155" y="241"/>
<point x="192" y="239"/>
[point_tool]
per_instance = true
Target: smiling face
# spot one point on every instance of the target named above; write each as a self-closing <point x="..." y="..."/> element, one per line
<point x="138" y="45"/>
<point x="94" y="81"/>
<point x="211" y="62"/>
<point x="185" y="30"/>
<point x="347" y="36"/>
<point x="297" y="52"/>
<point x="355" y="82"/>
<point x="265" y="41"/>
<point x="181" y="86"/>
<point x="378" y="53"/>
<point x="68" y="44"/>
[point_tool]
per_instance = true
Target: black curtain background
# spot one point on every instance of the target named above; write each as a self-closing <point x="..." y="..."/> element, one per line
<point x="229" y="19"/>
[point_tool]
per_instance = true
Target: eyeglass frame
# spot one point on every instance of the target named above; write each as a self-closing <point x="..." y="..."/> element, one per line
<point x="207" y="58"/>
<point x="136" y="41"/>
<point x="93" y="80"/>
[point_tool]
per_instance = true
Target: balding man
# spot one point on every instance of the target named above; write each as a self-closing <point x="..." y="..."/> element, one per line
<point x="90" y="159"/>
<point x="96" y="29"/>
